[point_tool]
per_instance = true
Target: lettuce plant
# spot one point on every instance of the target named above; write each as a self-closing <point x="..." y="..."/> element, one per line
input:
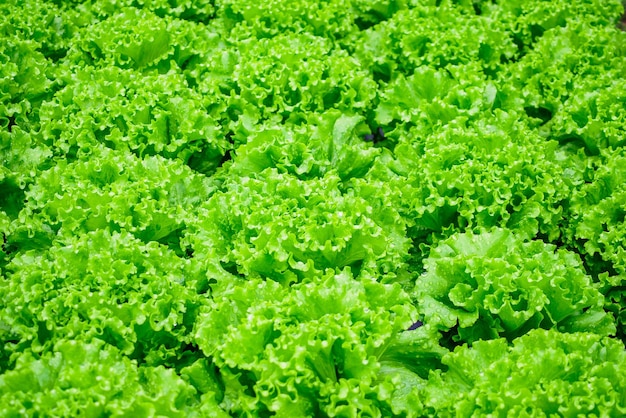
<point x="363" y="208"/>
<point x="493" y="284"/>
<point x="542" y="373"/>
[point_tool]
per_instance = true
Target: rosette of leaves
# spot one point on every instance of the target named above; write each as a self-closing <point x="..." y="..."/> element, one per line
<point x="598" y="228"/>
<point x="494" y="171"/>
<point x="572" y="83"/>
<point x="598" y="214"/>
<point x="187" y="10"/>
<point x="332" y="19"/>
<point x="127" y="38"/>
<point x="154" y="114"/>
<point x="443" y="35"/>
<point x="273" y="225"/>
<point x="94" y="379"/>
<point x="110" y="190"/>
<point x="333" y="346"/>
<point x="330" y="142"/>
<point x="431" y="98"/>
<point x="543" y="373"/>
<point x="27" y="79"/>
<point x="528" y="21"/>
<point x="261" y="82"/>
<point x="495" y="284"/>
<point x="48" y="26"/>
<point x="137" y="297"/>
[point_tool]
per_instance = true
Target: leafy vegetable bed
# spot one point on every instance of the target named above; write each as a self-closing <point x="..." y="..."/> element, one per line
<point x="312" y="208"/>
